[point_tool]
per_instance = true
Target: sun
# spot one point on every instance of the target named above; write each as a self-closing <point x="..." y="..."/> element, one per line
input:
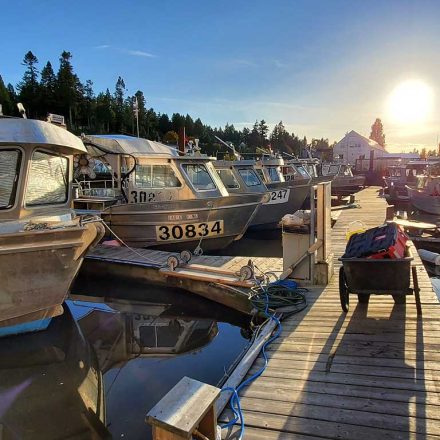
<point x="410" y="102"/>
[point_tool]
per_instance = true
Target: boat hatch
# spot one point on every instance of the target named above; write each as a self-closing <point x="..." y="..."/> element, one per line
<point x="48" y="179"/>
<point x="199" y="177"/>
<point x="156" y="176"/>
<point x="228" y="178"/>
<point x="10" y="161"/>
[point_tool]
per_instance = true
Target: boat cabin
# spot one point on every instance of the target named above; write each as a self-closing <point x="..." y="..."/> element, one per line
<point x="294" y="171"/>
<point x="270" y="170"/>
<point x="36" y="163"/>
<point x="144" y="171"/>
<point x="240" y="176"/>
<point x="336" y="170"/>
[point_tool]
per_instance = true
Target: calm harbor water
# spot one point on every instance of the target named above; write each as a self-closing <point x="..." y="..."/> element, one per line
<point x="111" y="357"/>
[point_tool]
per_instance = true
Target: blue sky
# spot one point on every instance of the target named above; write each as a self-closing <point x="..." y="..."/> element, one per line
<point x="322" y="67"/>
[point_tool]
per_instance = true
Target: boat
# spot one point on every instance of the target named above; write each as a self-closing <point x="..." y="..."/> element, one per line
<point x="42" y="241"/>
<point x="240" y="177"/>
<point x="163" y="198"/>
<point x="425" y="195"/>
<point x="398" y="177"/>
<point x="291" y="193"/>
<point x="343" y="181"/>
<point x="52" y="386"/>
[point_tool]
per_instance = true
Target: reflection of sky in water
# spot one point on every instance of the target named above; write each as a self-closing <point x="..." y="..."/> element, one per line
<point x="135" y="383"/>
<point x="142" y="382"/>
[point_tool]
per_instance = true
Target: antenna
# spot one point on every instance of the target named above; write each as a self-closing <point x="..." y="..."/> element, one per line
<point x="231" y="147"/>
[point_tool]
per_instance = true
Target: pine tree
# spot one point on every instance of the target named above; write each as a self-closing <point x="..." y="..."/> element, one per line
<point x="48" y="89"/>
<point x="5" y="99"/>
<point x="118" y="105"/>
<point x="377" y="133"/>
<point x="68" y="88"/>
<point x="28" y="87"/>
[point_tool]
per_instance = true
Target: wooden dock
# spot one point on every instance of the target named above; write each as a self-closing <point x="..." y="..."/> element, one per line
<point x="206" y="275"/>
<point x="369" y="374"/>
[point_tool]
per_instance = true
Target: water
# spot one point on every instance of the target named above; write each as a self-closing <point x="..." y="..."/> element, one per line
<point x="110" y="358"/>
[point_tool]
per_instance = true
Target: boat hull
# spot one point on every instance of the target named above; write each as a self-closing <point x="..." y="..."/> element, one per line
<point x="423" y="201"/>
<point x="165" y="224"/>
<point x="270" y="214"/>
<point x="38" y="268"/>
<point x="346" y="185"/>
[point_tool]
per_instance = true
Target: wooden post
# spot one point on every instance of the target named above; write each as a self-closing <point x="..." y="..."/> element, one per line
<point x="187" y="410"/>
<point x="324" y="226"/>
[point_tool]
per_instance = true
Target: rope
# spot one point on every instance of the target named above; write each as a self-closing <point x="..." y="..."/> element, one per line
<point x="275" y="297"/>
<point x="97" y="219"/>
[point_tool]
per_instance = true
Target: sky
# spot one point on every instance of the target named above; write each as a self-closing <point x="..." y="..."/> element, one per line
<point x="322" y="67"/>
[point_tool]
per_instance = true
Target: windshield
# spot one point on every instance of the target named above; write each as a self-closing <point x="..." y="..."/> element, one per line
<point x="9" y="169"/>
<point x="156" y="176"/>
<point x="47" y="180"/>
<point x="228" y="178"/>
<point x="199" y="177"/>
<point x="274" y="175"/>
<point x="249" y="177"/>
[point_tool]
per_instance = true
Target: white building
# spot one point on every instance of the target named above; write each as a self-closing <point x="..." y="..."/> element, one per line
<point x="355" y="146"/>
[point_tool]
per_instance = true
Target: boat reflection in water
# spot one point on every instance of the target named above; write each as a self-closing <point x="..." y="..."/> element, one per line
<point x="51" y="385"/>
<point x="98" y="368"/>
<point x="146" y="346"/>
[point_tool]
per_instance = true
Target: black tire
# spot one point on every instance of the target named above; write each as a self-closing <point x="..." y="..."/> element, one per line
<point x="343" y="291"/>
<point x="399" y="299"/>
<point x="363" y="298"/>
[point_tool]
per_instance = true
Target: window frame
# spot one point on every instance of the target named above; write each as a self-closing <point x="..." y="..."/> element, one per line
<point x="184" y="165"/>
<point x="15" y="186"/>
<point x="218" y="170"/>
<point x="67" y="177"/>
<point x="152" y="177"/>
<point x="254" y="172"/>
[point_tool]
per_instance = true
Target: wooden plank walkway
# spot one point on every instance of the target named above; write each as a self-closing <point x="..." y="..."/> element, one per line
<point x="369" y="374"/>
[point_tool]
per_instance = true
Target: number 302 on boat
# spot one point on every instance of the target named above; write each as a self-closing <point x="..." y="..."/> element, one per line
<point x="189" y="231"/>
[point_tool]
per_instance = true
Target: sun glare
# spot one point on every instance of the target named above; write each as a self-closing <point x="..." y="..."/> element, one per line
<point x="410" y="102"/>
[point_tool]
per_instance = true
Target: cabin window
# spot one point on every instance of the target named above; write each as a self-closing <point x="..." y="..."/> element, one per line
<point x="156" y="176"/>
<point x="303" y="172"/>
<point x="228" y="179"/>
<point x="199" y="177"/>
<point x="9" y="169"/>
<point x="261" y="174"/>
<point x="47" y="180"/>
<point x="250" y="177"/>
<point x="273" y="174"/>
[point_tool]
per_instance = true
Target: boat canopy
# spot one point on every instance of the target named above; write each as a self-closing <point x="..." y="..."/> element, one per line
<point x="32" y="132"/>
<point x="122" y="144"/>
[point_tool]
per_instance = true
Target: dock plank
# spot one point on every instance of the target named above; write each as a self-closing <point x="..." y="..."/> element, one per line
<point x="371" y="373"/>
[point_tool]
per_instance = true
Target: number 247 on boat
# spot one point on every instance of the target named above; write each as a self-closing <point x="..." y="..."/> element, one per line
<point x="189" y="231"/>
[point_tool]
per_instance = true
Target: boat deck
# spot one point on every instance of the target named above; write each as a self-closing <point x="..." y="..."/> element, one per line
<point x="369" y="374"/>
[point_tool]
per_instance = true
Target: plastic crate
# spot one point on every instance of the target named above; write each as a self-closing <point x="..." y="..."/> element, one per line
<point x="387" y="241"/>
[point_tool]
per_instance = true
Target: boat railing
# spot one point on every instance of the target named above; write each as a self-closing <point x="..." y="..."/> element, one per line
<point x="97" y="188"/>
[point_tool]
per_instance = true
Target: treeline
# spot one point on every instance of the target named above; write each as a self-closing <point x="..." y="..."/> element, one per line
<point x="43" y="92"/>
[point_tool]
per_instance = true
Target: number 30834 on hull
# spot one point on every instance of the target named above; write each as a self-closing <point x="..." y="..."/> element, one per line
<point x="215" y="222"/>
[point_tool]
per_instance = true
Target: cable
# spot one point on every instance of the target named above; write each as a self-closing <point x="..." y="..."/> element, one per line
<point x="279" y="294"/>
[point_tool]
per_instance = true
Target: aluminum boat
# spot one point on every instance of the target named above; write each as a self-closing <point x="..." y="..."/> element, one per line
<point x="42" y="241"/>
<point x="164" y="198"/>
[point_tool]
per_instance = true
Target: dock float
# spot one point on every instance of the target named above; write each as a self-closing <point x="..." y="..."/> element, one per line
<point x="213" y="277"/>
<point x="371" y="373"/>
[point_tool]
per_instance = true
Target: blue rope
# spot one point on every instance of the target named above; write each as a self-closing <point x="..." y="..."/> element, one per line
<point x="235" y="399"/>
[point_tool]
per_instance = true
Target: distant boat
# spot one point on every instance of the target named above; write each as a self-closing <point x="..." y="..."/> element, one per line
<point x="42" y="241"/>
<point x="425" y="196"/>
<point x="343" y="181"/>
<point x="244" y="176"/>
<point x="164" y="199"/>
<point x="398" y="177"/>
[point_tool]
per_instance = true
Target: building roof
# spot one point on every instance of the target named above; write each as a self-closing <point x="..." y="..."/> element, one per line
<point x="371" y="143"/>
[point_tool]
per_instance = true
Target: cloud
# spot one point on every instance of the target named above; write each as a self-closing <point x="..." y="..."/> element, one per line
<point x="139" y="53"/>
<point x="132" y="52"/>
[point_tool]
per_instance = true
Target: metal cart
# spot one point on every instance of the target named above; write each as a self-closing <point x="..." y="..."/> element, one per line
<point x="365" y="276"/>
